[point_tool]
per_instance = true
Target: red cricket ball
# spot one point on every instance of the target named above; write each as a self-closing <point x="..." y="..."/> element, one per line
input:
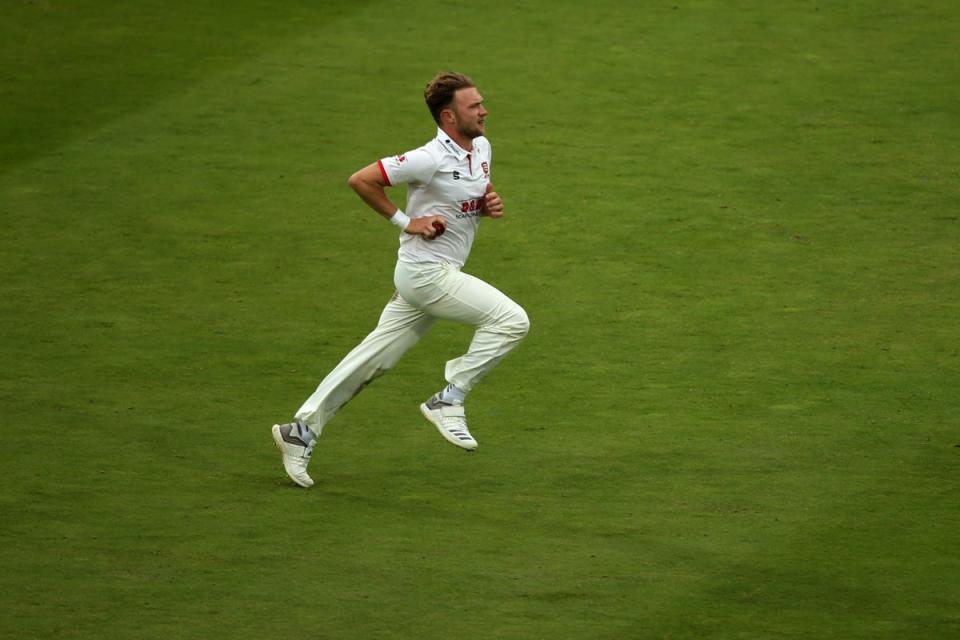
<point x="440" y="227"/>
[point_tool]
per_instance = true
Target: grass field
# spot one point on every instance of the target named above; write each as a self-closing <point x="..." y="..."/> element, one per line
<point x="735" y="227"/>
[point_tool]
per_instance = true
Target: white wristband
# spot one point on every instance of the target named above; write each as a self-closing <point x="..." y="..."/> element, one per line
<point x="400" y="219"/>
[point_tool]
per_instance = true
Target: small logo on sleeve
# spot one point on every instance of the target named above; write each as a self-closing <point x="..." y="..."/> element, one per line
<point x="401" y="158"/>
<point x="486" y="169"/>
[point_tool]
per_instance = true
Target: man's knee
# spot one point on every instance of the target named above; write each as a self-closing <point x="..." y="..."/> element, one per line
<point x="518" y="323"/>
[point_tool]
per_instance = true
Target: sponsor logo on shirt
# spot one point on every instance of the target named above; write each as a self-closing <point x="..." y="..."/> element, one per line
<point x="456" y="175"/>
<point x="470" y="208"/>
<point x="452" y="147"/>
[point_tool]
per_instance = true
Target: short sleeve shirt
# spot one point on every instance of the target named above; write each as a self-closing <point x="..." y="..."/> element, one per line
<point x="442" y="179"/>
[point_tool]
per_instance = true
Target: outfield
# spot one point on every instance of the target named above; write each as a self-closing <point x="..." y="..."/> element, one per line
<point x="735" y="227"/>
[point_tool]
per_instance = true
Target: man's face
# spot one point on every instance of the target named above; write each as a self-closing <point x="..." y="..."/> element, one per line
<point x="469" y="115"/>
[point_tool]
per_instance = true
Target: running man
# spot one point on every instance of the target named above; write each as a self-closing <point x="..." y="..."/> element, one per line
<point x="449" y="189"/>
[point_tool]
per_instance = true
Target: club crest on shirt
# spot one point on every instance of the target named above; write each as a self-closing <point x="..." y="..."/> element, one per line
<point x="401" y="158"/>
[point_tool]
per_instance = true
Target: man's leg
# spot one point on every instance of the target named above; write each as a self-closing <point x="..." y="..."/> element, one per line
<point x="445" y="292"/>
<point x="400" y="327"/>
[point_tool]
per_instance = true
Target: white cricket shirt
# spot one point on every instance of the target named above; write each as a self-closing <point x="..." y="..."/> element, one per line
<point x="442" y="179"/>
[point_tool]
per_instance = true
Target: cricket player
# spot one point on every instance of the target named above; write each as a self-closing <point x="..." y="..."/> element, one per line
<point x="449" y="190"/>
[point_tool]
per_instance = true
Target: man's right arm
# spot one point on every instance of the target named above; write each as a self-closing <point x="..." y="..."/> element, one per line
<point x="369" y="183"/>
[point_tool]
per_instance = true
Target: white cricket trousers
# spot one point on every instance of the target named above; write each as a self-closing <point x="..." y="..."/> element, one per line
<point x="426" y="291"/>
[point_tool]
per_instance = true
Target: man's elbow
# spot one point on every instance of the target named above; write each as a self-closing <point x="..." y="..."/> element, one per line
<point x="366" y="180"/>
<point x="355" y="181"/>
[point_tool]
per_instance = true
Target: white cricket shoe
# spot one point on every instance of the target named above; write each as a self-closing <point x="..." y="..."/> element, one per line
<point x="450" y="420"/>
<point x="296" y="444"/>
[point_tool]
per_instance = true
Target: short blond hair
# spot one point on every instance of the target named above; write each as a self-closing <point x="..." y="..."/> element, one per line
<point x="440" y="91"/>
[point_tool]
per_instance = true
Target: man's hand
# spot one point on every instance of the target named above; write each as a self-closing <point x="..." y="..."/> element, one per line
<point x="425" y="227"/>
<point x="493" y="205"/>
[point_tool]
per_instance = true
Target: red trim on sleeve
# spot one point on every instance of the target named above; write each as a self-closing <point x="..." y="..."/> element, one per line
<point x="383" y="172"/>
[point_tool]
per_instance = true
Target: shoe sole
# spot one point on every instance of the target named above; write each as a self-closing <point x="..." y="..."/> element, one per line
<point x="278" y="440"/>
<point x="425" y="410"/>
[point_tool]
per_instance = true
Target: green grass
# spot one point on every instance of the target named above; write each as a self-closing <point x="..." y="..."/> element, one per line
<point x="734" y="226"/>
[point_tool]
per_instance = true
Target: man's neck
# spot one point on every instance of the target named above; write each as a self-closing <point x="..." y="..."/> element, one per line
<point x="465" y="143"/>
